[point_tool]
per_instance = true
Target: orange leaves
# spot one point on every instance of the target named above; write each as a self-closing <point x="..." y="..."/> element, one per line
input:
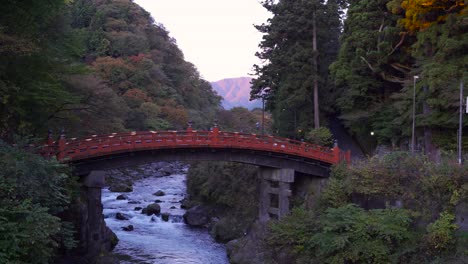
<point x="138" y="94"/>
<point x="420" y="14"/>
<point x="175" y="114"/>
<point x="108" y="67"/>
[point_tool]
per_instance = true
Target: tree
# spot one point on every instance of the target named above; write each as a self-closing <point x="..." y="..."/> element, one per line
<point x="37" y="55"/>
<point x="439" y="50"/>
<point x="371" y="66"/>
<point x="294" y="66"/>
<point x="32" y="192"/>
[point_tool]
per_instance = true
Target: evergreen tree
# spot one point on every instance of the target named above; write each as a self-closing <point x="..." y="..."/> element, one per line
<point x="292" y="65"/>
<point x="439" y="28"/>
<point x="371" y="66"/>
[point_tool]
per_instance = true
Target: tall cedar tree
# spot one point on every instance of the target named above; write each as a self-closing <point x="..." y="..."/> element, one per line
<point x="286" y="79"/>
<point x="371" y="66"/>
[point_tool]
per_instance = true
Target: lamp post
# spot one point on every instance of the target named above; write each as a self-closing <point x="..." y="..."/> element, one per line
<point x="414" y="110"/>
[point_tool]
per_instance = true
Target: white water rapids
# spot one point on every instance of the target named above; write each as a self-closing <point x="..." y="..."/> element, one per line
<point x="154" y="241"/>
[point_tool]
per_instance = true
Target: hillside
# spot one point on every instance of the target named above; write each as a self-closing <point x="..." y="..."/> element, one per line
<point x="96" y="66"/>
<point x="236" y="92"/>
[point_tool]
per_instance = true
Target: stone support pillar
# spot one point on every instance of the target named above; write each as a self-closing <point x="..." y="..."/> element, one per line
<point x="95" y="236"/>
<point x="274" y="185"/>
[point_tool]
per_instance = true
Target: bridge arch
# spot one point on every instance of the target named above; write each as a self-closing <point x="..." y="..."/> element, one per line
<point x="133" y="148"/>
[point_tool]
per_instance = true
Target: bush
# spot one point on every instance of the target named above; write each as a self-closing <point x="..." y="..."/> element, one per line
<point x="347" y="234"/>
<point x="231" y="188"/>
<point x="320" y="136"/>
<point x="441" y="234"/>
<point x="32" y="191"/>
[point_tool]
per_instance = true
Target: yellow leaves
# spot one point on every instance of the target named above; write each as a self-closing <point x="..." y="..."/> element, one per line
<point x="421" y="14"/>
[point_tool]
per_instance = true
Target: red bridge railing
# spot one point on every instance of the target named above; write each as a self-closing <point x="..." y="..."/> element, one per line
<point x="103" y="145"/>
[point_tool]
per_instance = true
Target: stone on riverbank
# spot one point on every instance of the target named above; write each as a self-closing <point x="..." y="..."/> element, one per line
<point x="198" y="216"/>
<point x="121" y="188"/>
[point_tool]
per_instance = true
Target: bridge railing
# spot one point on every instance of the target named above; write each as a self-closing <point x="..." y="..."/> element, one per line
<point x="101" y="145"/>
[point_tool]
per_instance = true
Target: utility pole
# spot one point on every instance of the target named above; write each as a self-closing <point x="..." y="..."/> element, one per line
<point x="460" y="128"/>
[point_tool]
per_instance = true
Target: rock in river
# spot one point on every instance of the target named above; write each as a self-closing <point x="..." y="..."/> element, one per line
<point x="122" y="197"/>
<point x="127" y="228"/>
<point x="153" y="208"/>
<point x="120" y="216"/>
<point x="159" y="193"/>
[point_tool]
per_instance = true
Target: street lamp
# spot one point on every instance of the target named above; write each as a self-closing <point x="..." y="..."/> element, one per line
<point x="414" y="110"/>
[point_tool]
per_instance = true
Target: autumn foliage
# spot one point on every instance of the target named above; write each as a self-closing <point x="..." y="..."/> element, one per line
<point x="420" y="14"/>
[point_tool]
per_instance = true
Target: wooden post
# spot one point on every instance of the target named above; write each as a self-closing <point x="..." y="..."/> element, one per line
<point x="336" y="152"/>
<point x="215" y="131"/>
<point x="61" y="146"/>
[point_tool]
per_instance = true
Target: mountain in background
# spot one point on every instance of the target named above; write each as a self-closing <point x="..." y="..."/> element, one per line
<point x="236" y="92"/>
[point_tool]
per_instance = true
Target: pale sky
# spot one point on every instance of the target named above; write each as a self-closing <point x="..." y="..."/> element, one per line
<point x="217" y="36"/>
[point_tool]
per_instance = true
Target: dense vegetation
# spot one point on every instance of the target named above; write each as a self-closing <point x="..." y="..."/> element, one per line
<point x="33" y="191"/>
<point x="231" y="189"/>
<point x="94" y="67"/>
<point x="393" y="209"/>
<point x="297" y="67"/>
<point x="369" y="84"/>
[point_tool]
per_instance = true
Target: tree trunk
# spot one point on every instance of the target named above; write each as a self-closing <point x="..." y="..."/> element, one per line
<point x="315" y="54"/>
<point x="429" y="148"/>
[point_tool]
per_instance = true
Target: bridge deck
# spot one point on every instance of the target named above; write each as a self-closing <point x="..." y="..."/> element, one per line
<point x="104" y="145"/>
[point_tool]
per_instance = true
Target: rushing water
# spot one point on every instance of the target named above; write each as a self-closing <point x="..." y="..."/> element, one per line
<point x="154" y="240"/>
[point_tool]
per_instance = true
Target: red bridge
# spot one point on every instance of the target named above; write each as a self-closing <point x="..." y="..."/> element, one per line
<point x="200" y="143"/>
<point x="280" y="160"/>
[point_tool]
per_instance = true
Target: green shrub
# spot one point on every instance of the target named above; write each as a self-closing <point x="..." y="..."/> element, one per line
<point x="229" y="187"/>
<point x="347" y="234"/>
<point x="350" y="234"/>
<point x="32" y="191"/>
<point x="320" y="136"/>
<point x="441" y="234"/>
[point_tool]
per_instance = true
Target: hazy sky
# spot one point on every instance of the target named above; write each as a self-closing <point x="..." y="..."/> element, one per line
<point x="217" y="36"/>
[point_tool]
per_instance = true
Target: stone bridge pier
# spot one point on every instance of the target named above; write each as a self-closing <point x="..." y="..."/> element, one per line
<point x="86" y="213"/>
<point x="275" y="191"/>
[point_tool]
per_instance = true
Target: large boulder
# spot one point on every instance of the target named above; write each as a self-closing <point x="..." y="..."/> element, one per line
<point x="121" y="187"/>
<point x="198" y="216"/>
<point x="151" y="209"/>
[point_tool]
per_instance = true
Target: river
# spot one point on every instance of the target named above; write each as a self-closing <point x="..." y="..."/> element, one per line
<point x="154" y="241"/>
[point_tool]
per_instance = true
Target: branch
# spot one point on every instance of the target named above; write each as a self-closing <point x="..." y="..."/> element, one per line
<point x="368" y="64"/>
<point x="400" y="67"/>
<point x="403" y="35"/>
<point x="391" y="78"/>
